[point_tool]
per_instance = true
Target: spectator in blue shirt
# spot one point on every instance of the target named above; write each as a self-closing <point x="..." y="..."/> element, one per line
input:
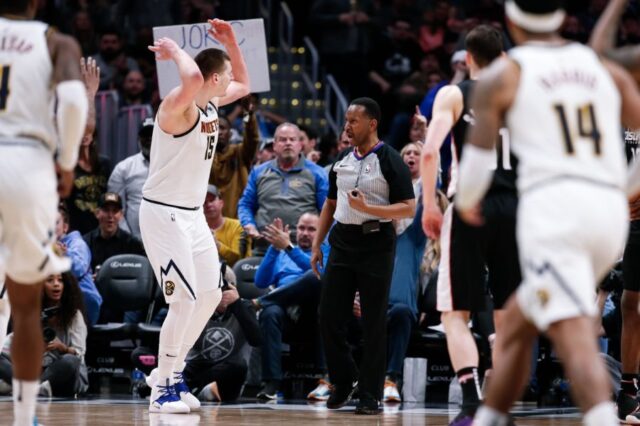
<point x="72" y="244"/>
<point x="285" y="187"/>
<point x="286" y="267"/>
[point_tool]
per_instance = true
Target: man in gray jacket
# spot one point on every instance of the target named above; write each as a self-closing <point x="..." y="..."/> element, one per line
<point x="129" y="176"/>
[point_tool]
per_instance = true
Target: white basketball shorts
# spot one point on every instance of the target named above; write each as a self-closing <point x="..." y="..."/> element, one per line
<point x="181" y="250"/>
<point x="28" y="211"/>
<point x="569" y="234"/>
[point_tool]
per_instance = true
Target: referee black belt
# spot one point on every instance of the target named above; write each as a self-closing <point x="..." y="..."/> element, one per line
<point x="368" y="227"/>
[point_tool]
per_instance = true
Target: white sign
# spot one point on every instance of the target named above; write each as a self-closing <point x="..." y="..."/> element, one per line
<point x="194" y="38"/>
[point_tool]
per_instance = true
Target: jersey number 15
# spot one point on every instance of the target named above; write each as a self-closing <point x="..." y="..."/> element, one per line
<point x="210" y="143"/>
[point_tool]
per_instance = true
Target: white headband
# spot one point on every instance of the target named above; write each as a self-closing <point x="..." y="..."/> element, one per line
<point x="531" y="22"/>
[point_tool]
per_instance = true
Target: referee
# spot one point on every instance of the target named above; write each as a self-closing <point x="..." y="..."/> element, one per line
<point x="369" y="185"/>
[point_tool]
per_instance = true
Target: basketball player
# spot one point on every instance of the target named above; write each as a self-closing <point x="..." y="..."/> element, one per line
<point x="36" y="65"/>
<point x="562" y="106"/>
<point x="603" y="40"/>
<point x="468" y="250"/>
<point x="174" y="230"/>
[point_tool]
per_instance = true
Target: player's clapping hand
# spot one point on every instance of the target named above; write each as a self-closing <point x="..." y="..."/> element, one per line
<point x="432" y="221"/>
<point x="164" y="48"/>
<point x="472" y="216"/>
<point x="222" y="31"/>
<point x="277" y="234"/>
<point x="90" y="74"/>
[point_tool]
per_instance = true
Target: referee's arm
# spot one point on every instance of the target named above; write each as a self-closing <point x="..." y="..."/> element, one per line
<point x="324" y="224"/>
<point x="399" y="210"/>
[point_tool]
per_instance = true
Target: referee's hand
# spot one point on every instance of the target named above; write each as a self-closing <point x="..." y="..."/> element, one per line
<point x="316" y="260"/>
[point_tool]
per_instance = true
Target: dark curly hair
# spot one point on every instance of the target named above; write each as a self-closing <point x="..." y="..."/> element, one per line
<point x="71" y="301"/>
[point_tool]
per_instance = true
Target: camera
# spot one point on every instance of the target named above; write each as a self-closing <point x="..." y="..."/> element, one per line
<point x="48" y="333"/>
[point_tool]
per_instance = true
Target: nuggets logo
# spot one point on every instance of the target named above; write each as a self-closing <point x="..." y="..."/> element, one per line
<point x="218" y="343"/>
<point x="169" y="288"/>
<point x="543" y="296"/>
<point x="295" y="183"/>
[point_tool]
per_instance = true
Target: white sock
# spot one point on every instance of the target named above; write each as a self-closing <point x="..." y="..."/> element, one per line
<point x="25" y="394"/>
<point x="204" y="307"/>
<point x="171" y="336"/>
<point x="603" y="414"/>
<point x="487" y="416"/>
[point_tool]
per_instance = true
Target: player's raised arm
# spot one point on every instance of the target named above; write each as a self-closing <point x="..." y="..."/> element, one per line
<point x="603" y="39"/>
<point x="180" y="101"/>
<point x="494" y="94"/>
<point x="239" y="87"/>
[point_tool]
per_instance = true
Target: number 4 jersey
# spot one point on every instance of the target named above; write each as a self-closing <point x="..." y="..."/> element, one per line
<point x="26" y="92"/>
<point x="505" y="164"/>
<point x="565" y="119"/>
<point x="180" y="165"/>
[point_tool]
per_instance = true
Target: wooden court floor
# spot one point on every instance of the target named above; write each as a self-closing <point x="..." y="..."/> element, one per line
<point x="98" y="412"/>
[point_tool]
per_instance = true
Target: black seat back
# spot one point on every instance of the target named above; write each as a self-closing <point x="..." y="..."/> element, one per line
<point x="126" y="282"/>
<point x="245" y="270"/>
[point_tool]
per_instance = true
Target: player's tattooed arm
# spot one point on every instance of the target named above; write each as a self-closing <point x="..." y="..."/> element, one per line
<point x="493" y="95"/>
<point x="65" y="56"/>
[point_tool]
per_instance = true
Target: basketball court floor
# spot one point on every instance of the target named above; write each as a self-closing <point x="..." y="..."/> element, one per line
<point x="129" y="411"/>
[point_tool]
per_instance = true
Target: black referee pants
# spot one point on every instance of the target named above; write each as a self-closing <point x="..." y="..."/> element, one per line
<point x="361" y="263"/>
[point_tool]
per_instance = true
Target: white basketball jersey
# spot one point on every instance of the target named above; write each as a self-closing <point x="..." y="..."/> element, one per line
<point x="26" y="91"/>
<point x="565" y="120"/>
<point x="179" y="166"/>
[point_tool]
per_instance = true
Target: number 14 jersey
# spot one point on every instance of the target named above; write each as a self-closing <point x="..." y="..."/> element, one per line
<point x="26" y="90"/>
<point x="565" y="119"/>
<point x="179" y="165"/>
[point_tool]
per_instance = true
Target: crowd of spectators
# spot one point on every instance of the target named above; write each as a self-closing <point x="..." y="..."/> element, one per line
<point x="269" y="177"/>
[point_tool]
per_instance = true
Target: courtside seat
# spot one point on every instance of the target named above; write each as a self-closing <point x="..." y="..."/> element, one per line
<point x="126" y="283"/>
<point x="245" y="270"/>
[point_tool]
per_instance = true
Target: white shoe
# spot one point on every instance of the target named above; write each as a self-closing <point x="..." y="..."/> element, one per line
<point x="183" y="391"/>
<point x="391" y="393"/>
<point x="165" y="400"/>
<point x="152" y="378"/>
<point x="321" y="392"/>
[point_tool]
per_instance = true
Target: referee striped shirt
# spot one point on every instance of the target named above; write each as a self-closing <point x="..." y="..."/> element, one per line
<point x="380" y="175"/>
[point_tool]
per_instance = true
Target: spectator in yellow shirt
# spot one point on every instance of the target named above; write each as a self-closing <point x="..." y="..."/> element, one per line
<point x="229" y="235"/>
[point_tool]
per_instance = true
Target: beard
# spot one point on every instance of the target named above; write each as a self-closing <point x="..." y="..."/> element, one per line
<point x="109" y="54"/>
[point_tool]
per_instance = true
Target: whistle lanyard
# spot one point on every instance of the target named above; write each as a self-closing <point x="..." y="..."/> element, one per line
<point x="363" y="158"/>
